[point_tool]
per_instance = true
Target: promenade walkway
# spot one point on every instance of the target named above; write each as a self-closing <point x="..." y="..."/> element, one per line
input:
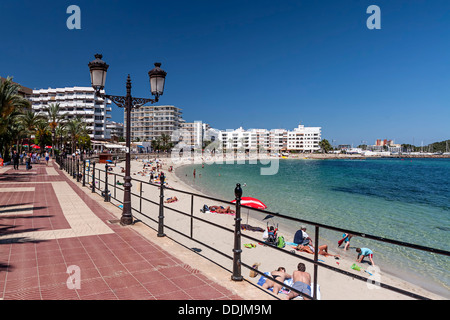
<point x="58" y="241"/>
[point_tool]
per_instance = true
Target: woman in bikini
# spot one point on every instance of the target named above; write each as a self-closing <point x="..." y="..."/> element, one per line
<point x="279" y="275"/>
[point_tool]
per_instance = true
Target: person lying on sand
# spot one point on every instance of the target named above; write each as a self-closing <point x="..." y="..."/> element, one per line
<point x="172" y="199"/>
<point x="323" y="250"/>
<point x="220" y="209"/>
<point x="279" y="275"/>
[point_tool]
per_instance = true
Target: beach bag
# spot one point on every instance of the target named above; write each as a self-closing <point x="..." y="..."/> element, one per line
<point x="253" y="273"/>
<point x="281" y="243"/>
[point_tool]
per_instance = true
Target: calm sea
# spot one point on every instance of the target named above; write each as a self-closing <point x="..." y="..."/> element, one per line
<point x="402" y="199"/>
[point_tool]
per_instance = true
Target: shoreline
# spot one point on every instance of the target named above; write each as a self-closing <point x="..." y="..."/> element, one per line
<point x="330" y="286"/>
<point x="288" y="231"/>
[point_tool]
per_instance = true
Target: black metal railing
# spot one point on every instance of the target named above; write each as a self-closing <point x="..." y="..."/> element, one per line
<point x="108" y="185"/>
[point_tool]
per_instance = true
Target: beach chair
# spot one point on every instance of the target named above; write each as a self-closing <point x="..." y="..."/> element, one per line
<point x="272" y="237"/>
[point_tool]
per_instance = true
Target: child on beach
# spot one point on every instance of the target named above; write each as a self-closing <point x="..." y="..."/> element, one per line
<point x="346" y="240"/>
<point x="364" y="252"/>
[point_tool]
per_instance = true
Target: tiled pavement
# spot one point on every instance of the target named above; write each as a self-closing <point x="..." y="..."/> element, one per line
<point x="56" y="243"/>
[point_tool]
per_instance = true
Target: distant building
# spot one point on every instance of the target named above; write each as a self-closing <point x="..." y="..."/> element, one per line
<point x="301" y="139"/>
<point x="23" y="91"/>
<point x="193" y="134"/>
<point x="115" y="129"/>
<point x="385" y="145"/>
<point x="151" y="122"/>
<point x="304" y="139"/>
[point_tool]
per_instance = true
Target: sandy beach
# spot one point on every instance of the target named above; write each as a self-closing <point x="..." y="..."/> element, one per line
<point x="333" y="285"/>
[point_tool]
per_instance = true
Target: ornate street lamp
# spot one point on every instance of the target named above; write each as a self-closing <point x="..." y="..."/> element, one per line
<point x="98" y="69"/>
<point x="237" y="276"/>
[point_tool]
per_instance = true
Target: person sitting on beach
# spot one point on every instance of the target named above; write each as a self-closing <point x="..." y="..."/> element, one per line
<point x="364" y="252"/>
<point x="279" y="275"/>
<point x="323" y="250"/>
<point x="302" y="282"/>
<point x="272" y="235"/>
<point x="170" y="200"/>
<point x="301" y="237"/>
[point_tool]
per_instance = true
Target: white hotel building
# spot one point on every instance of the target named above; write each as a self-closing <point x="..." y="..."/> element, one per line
<point x="301" y="139"/>
<point x="76" y="101"/>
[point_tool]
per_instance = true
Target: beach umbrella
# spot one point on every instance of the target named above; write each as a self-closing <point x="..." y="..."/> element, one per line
<point x="36" y="147"/>
<point x="252" y="203"/>
<point x="48" y="147"/>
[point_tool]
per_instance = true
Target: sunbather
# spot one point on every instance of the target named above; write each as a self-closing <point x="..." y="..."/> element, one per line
<point x="279" y="275"/>
<point x="172" y="199"/>
<point x="323" y="250"/>
<point x="221" y="209"/>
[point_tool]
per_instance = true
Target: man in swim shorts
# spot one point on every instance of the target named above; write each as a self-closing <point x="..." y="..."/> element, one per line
<point x="302" y="282"/>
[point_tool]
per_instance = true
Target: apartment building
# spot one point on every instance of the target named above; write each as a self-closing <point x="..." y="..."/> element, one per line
<point x="301" y="139"/>
<point x="238" y="139"/>
<point x="193" y="134"/>
<point x="304" y="139"/>
<point x="115" y="129"/>
<point x="151" y="122"/>
<point x="76" y="101"/>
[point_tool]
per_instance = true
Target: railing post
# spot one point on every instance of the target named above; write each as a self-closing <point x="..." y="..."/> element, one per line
<point x="106" y="184"/>
<point x="74" y="169"/>
<point x="237" y="276"/>
<point x="192" y="215"/>
<point x="161" y="207"/>
<point x="84" y="173"/>
<point x="93" y="177"/>
<point x="140" y="197"/>
<point x="316" y="253"/>
<point x="78" y="170"/>
<point x="115" y="185"/>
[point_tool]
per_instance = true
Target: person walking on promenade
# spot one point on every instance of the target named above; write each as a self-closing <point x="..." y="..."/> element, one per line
<point x="16" y="159"/>
<point x="47" y="157"/>
<point x="28" y="161"/>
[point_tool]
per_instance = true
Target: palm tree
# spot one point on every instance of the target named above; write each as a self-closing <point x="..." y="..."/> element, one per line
<point x="165" y="142"/>
<point x="43" y="133"/>
<point x="10" y="100"/>
<point x="29" y="120"/>
<point x="54" y="118"/>
<point x="11" y="103"/>
<point x="61" y="132"/>
<point x="75" y="128"/>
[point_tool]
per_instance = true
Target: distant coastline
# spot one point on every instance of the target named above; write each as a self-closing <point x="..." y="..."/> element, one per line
<point x="359" y="156"/>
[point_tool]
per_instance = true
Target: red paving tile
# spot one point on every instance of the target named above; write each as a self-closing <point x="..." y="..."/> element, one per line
<point x="118" y="266"/>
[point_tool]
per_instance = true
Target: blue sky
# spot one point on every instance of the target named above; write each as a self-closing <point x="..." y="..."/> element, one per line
<point x="252" y="63"/>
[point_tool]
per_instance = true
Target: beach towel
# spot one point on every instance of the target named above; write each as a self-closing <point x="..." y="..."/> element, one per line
<point x="284" y="290"/>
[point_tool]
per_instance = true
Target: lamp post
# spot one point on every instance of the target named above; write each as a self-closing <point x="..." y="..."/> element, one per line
<point x="237" y="276"/>
<point x="98" y="69"/>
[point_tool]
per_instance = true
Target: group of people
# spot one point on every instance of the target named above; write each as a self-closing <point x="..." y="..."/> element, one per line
<point x="300" y="278"/>
<point x="29" y="158"/>
<point x="305" y="244"/>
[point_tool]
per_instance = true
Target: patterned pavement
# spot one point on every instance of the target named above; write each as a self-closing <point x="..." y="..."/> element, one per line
<point x="56" y="243"/>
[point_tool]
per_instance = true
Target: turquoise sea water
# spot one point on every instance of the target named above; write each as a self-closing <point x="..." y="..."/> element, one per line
<point x="406" y="200"/>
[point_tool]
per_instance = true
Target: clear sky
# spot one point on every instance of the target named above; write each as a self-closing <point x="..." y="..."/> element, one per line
<point x="252" y="63"/>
